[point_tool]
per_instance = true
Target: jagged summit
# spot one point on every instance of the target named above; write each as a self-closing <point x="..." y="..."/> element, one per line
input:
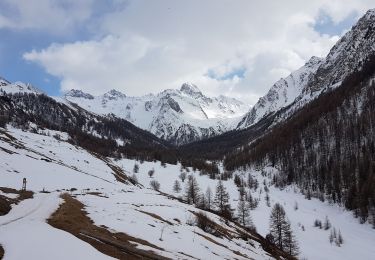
<point x="75" y="93"/>
<point x="18" y="87"/>
<point x="178" y="116"/>
<point x="190" y="89"/>
<point x="318" y="74"/>
<point x="4" y="82"/>
<point x="112" y="94"/>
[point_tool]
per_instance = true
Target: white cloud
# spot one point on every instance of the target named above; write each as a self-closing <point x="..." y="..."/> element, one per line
<point x="152" y="45"/>
<point x="57" y="16"/>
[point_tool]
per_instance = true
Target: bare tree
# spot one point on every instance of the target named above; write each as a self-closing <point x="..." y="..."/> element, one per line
<point x="155" y="185"/>
<point x="221" y="200"/>
<point x="327" y="223"/>
<point x="182" y="176"/>
<point x="136" y="168"/>
<point x="192" y="190"/>
<point x="281" y="231"/>
<point x="151" y="172"/>
<point x="243" y="214"/>
<point x="176" y="186"/>
<point x="208" y="197"/>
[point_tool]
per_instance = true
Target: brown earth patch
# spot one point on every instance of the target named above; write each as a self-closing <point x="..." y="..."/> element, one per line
<point x="72" y="218"/>
<point x="1" y="252"/>
<point x="6" y="203"/>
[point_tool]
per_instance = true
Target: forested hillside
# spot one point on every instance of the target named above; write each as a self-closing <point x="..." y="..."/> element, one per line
<point x="108" y="136"/>
<point x="327" y="147"/>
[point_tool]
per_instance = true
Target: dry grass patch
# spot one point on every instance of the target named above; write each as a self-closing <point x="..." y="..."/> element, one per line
<point x="72" y="218"/>
<point x="156" y="217"/>
<point x="6" y="203"/>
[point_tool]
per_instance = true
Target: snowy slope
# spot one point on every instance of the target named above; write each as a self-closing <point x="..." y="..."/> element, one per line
<point x="55" y="165"/>
<point x="317" y="75"/>
<point x="52" y="164"/>
<point x="282" y="93"/>
<point x="358" y="238"/>
<point x="25" y="234"/>
<point x="48" y="163"/>
<point x="179" y="116"/>
<point x="18" y="87"/>
<point x="134" y="213"/>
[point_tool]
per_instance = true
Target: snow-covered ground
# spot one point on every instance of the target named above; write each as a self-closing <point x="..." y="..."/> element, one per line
<point x="48" y="163"/>
<point x="313" y="242"/>
<point x="164" y="222"/>
<point x="24" y="233"/>
<point x="55" y="165"/>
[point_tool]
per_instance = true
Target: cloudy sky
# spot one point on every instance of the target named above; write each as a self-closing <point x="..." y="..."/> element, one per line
<point x="238" y="48"/>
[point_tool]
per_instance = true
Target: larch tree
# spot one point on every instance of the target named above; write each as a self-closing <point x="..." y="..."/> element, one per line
<point x="281" y="231"/>
<point x="208" y="197"/>
<point x="176" y="186"/>
<point x="221" y="200"/>
<point x="136" y="168"/>
<point x="243" y="214"/>
<point x="192" y="190"/>
<point x="290" y="244"/>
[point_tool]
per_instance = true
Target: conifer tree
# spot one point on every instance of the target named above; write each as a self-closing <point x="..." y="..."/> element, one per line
<point x="176" y="186"/>
<point x="221" y="200"/>
<point x="208" y="197"/>
<point x="243" y="214"/>
<point x="281" y="231"/>
<point x="192" y="190"/>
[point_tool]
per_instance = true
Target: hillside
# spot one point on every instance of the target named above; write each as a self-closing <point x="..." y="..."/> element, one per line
<point x="146" y="222"/>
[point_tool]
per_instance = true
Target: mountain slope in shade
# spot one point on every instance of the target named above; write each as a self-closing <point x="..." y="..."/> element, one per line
<point x="179" y="116"/>
<point x="318" y="75"/>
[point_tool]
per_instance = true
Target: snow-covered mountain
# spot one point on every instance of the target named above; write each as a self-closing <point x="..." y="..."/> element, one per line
<point x="179" y="116"/>
<point x="317" y="75"/>
<point x="18" y="87"/>
<point x="282" y="93"/>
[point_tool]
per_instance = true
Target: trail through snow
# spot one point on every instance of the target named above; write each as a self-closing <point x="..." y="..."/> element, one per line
<point x="24" y="233"/>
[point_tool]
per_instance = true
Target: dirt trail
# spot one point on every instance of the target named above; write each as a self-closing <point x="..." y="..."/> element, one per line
<point x="28" y="213"/>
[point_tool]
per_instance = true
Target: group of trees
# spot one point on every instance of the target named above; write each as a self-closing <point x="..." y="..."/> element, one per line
<point x="281" y="233"/>
<point x="327" y="147"/>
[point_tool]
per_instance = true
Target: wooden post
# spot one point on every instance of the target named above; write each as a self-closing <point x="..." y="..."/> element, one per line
<point x="24" y="184"/>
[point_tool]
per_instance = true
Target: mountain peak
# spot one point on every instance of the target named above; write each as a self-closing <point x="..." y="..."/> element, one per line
<point x="370" y="13"/>
<point x="112" y="94"/>
<point x="190" y="89"/>
<point x="313" y="61"/>
<point x="76" y="93"/>
<point x="3" y="82"/>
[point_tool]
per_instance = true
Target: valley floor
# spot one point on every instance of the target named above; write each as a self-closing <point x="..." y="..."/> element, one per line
<point x="164" y="223"/>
